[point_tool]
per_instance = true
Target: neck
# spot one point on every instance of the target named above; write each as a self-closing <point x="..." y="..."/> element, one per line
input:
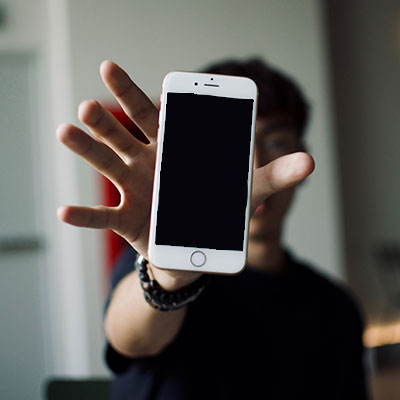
<point x="267" y="256"/>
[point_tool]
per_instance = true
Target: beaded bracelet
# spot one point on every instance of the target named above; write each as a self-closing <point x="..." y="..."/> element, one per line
<point x="159" y="298"/>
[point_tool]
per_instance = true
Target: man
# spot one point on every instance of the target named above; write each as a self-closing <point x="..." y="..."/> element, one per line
<point x="278" y="330"/>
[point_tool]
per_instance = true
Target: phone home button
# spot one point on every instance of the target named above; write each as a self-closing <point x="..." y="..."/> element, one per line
<point x="198" y="258"/>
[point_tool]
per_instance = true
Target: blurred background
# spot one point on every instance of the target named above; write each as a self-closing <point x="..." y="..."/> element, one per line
<point x="346" y="220"/>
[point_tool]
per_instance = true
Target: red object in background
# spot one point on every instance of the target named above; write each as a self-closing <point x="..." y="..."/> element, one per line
<point x="110" y="194"/>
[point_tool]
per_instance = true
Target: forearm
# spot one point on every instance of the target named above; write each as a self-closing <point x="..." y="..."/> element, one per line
<point x="133" y="327"/>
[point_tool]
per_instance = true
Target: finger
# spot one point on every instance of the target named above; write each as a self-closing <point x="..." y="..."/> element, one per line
<point x="98" y="217"/>
<point x="134" y="102"/>
<point x="97" y="154"/>
<point x="280" y="174"/>
<point x="107" y="128"/>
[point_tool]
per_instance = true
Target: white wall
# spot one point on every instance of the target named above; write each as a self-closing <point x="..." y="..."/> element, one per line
<point x="25" y="312"/>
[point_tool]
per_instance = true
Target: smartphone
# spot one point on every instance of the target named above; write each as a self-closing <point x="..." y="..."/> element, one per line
<point x="203" y="175"/>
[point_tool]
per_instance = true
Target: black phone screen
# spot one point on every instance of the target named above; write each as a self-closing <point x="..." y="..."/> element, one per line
<point x="204" y="172"/>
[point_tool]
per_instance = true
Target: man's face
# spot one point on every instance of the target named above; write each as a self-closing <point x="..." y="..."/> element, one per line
<point x="275" y="137"/>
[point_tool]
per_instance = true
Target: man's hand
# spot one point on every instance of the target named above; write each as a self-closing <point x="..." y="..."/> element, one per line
<point x="115" y="153"/>
<point x="129" y="163"/>
<point x="278" y="175"/>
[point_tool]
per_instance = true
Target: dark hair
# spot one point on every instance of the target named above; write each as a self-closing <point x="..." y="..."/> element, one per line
<point x="277" y="93"/>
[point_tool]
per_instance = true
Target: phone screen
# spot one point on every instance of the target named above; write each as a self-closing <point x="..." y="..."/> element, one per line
<point x="204" y="172"/>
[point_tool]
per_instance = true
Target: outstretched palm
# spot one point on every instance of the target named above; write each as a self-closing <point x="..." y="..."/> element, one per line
<point x="129" y="163"/>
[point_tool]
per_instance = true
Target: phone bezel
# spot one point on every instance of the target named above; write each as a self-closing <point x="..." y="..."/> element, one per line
<point x="178" y="257"/>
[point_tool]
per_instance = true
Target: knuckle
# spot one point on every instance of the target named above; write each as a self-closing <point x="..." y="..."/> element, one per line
<point x="90" y="218"/>
<point x="103" y="124"/>
<point x="118" y="226"/>
<point x="129" y="148"/>
<point x="107" y="163"/>
<point x="109" y="131"/>
<point x="141" y="112"/>
<point x="268" y="178"/>
<point x="123" y="177"/>
<point x="106" y="218"/>
<point x="124" y="90"/>
<point x="87" y="149"/>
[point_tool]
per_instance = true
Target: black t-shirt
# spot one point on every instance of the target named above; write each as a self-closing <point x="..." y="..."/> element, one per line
<point x="293" y="335"/>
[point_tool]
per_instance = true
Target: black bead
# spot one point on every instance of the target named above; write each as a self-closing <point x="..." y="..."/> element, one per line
<point x="163" y="297"/>
<point x="178" y="296"/>
<point x="163" y="307"/>
<point x="146" y="286"/>
<point x="144" y="277"/>
<point x="155" y="285"/>
<point x="142" y="268"/>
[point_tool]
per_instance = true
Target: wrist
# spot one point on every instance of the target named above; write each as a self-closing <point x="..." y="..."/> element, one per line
<point x="173" y="280"/>
<point x="168" y="300"/>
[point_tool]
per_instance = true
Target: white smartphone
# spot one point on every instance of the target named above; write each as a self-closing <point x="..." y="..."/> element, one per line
<point x="203" y="176"/>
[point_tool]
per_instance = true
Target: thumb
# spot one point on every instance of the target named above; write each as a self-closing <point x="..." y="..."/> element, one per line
<point x="280" y="174"/>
